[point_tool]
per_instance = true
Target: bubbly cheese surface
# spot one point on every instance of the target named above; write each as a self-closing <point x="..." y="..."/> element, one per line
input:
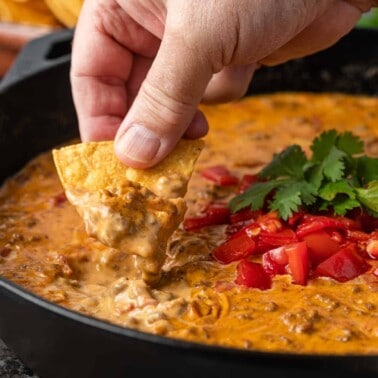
<point x="45" y="248"/>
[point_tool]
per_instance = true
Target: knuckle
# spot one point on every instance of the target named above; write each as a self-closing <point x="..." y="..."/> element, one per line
<point x="163" y="107"/>
<point x="226" y="95"/>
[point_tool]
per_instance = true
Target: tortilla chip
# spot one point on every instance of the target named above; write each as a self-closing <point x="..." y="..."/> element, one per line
<point x="94" y="166"/>
<point x="126" y="208"/>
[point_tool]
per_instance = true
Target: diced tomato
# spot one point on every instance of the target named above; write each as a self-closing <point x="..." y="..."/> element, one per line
<point x="298" y="262"/>
<point x="357" y="236"/>
<point x="244" y="214"/>
<point x="270" y="266"/>
<point x="270" y="222"/>
<point x="372" y="248"/>
<point x="268" y="216"/>
<point x="320" y="246"/>
<point x="252" y="274"/>
<point x="219" y="209"/>
<point x="295" y="219"/>
<point x="214" y="214"/>
<point x="246" y="181"/>
<point x="344" y="265"/>
<point x="315" y="223"/>
<point x="58" y="199"/>
<point x="368" y="222"/>
<point x="337" y="236"/>
<point x="191" y="224"/>
<point x="252" y="229"/>
<point x="220" y="175"/>
<point x="275" y="261"/>
<point x="233" y="228"/>
<point x="239" y="246"/>
<point x="196" y="223"/>
<point x="267" y="240"/>
<point x="279" y="255"/>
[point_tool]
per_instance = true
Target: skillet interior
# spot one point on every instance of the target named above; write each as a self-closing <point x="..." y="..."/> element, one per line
<point x="35" y="100"/>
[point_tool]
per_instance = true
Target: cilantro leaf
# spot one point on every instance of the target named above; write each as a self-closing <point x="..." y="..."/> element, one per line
<point x="322" y="145"/>
<point x="369" y="196"/>
<point x="286" y="200"/>
<point x="289" y="197"/>
<point x="330" y="190"/>
<point x="333" y="165"/>
<point x="308" y="192"/>
<point x="254" y="197"/>
<point x="340" y="195"/>
<point x="315" y="174"/>
<point x="332" y="178"/>
<point x="349" y="143"/>
<point x="287" y="163"/>
<point x="367" y="169"/>
<point x="342" y="204"/>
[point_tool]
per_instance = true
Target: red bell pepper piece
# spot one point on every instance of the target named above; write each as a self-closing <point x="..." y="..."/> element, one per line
<point x="368" y="222"/>
<point x="219" y="209"/>
<point x="267" y="240"/>
<point x="275" y="261"/>
<point x="320" y="246"/>
<point x="214" y="214"/>
<point x="191" y="224"/>
<point x="337" y="236"/>
<point x="298" y="262"/>
<point x="315" y="223"/>
<point x="357" y="236"/>
<point x="247" y="181"/>
<point x="270" y="222"/>
<point x="244" y="214"/>
<point x="295" y="218"/>
<point x="343" y="266"/>
<point x="220" y="175"/>
<point x="233" y="228"/>
<point x="237" y="247"/>
<point x="251" y="274"/>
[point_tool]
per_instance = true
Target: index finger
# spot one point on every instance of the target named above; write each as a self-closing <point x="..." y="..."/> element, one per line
<point x="102" y="57"/>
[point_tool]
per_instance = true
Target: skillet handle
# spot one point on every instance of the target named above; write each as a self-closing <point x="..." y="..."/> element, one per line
<point x="40" y="54"/>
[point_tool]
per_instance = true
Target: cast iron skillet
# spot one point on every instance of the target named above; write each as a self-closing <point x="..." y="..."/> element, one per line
<point x="36" y="113"/>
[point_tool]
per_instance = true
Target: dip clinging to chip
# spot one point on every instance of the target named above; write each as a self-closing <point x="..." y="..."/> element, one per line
<point x="133" y="210"/>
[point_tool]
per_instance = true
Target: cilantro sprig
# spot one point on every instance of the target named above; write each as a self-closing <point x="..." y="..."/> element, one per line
<point x="336" y="177"/>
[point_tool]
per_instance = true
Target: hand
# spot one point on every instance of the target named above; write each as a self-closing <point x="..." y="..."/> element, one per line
<point x="140" y="68"/>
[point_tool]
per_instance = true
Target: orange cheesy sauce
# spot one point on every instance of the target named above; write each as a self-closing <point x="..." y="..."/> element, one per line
<point x="44" y="247"/>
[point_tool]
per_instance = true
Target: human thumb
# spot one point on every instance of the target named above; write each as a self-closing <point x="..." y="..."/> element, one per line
<point x="166" y="103"/>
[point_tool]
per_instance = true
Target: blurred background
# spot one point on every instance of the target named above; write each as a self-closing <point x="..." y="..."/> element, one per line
<point x="22" y="20"/>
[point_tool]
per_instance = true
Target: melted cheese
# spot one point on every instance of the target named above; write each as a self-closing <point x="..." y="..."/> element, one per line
<point x="45" y="248"/>
<point x="132" y="219"/>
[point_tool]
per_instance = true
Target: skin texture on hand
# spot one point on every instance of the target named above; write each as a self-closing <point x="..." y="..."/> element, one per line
<point x="140" y="68"/>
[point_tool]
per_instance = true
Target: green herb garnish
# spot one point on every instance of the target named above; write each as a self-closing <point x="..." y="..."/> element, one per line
<point x="337" y="177"/>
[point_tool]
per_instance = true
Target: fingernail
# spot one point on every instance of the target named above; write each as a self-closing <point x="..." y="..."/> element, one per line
<point x="139" y="144"/>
